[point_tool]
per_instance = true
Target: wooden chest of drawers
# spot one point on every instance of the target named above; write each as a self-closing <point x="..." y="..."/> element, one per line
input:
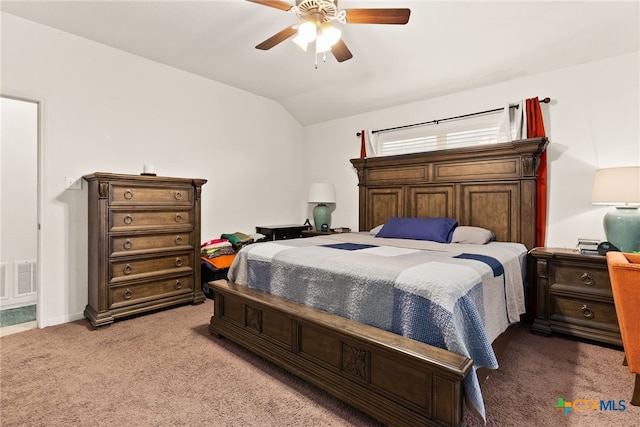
<point x="144" y="244"/>
<point x="573" y="295"/>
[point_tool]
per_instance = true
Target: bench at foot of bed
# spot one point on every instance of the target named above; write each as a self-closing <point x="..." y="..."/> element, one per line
<point x="394" y="379"/>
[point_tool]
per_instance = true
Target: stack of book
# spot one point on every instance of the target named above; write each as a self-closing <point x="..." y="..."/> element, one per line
<point x="341" y="230"/>
<point x="588" y="246"/>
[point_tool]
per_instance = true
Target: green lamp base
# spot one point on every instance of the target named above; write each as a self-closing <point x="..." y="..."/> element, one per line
<point x="622" y="228"/>
<point x="322" y="216"/>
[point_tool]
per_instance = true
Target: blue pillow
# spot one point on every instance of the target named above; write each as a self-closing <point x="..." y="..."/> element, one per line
<point x="433" y="229"/>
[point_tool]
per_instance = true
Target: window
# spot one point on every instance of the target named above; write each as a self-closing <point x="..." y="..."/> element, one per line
<point x="480" y="129"/>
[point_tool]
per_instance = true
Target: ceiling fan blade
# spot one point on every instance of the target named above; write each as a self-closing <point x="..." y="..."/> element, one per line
<point x="282" y="5"/>
<point x="277" y="38"/>
<point x="341" y="51"/>
<point x="378" y="16"/>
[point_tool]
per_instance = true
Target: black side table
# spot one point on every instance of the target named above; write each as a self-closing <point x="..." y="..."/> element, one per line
<point x="282" y="232"/>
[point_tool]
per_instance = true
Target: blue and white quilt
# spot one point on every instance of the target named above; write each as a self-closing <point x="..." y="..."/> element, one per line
<point x="454" y="296"/>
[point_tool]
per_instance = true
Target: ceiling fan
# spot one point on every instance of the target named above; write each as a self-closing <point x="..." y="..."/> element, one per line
<point x="317" y="16"/>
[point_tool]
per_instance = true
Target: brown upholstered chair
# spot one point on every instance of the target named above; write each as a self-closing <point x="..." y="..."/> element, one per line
<point x="624" y="272"/>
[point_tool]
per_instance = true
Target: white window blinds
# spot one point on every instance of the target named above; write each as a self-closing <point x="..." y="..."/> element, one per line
<point x="472" y="130"/>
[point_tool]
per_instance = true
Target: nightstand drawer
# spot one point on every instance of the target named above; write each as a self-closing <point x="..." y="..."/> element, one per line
<point x="600" y="315"/>
<point x="581" y="278"/>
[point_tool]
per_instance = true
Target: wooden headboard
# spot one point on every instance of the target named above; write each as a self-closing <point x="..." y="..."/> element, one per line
<point x="489" y="186"/>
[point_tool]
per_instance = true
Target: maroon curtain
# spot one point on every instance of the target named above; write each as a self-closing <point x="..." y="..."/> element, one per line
<point x="363" y="147"/>
<point x="535" y="129"/>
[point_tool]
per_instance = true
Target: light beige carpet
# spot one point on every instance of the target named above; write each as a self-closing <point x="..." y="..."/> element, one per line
<point x="165" y="369"/>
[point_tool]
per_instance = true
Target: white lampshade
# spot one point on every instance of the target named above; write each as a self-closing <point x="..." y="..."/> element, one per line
<point x="300" y="42"/>
<point x="307" y="31"/>
<point x="616" y="186"/>
<point x="331" y="34"/>
<point x="325" y="40"/>
<point x="322" y="45"/>
<point x="322" y="192"/>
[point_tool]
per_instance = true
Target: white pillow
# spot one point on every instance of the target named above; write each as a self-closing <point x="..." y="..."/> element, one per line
<point x="472" y="235"/>
<point x="376" y="230"/>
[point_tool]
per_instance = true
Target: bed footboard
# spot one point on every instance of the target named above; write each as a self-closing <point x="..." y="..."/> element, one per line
<point x="394" y="379"/>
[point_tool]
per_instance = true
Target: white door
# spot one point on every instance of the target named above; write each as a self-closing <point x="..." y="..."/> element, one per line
<point x="19" y="121"/>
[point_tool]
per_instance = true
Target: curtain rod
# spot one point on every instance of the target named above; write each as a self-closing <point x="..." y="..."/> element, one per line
<point x="546" y="100"/>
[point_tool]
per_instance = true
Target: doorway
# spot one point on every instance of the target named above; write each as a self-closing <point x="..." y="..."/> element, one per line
<point x="19" y="215"/>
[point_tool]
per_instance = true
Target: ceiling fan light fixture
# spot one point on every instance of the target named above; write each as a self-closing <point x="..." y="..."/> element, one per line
<point x="331" y="34"/>
<point x="307" y="32"/>
<point x="300" y="43"/>
<point x="327" y="38"/>
<point x="316" y="17"/>
<point x="322" y="47"/>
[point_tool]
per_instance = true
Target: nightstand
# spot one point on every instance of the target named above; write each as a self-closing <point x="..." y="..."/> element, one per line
<point x="573" y="295"/>
<point x="281" y="232"/>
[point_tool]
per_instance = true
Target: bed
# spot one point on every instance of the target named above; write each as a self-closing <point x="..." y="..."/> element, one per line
<point x="355" y="356"/>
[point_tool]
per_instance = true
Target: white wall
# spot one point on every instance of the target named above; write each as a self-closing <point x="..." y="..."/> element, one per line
<point x="592" y="122"/>
<point x="106" y="110"/>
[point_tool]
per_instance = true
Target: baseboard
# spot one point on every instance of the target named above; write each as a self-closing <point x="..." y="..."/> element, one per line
<point x="14" y="329"/>
<point x="61" y="319"/>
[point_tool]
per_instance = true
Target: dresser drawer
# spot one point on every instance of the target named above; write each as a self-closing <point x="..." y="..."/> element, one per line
<point x="137" y="244"/>
<point x="128" y="294"/>
<point x="581" y="278"/>
<point x="132" y="194"/>
<point x="129" y="219"/>
<point x="584" y="312"/>
<point x="138" y="268"/>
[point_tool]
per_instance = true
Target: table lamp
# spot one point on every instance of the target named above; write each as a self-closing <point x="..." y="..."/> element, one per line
<point x="322" y="193"/>
<point x="620" y="187"/>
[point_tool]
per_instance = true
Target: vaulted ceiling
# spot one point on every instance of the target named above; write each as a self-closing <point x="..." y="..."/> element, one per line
<point x="447" y="46"/>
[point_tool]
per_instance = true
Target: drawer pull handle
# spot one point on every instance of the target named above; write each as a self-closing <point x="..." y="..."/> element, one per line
<point x="178" y="285"/>
<point x="128" y="219"/>
<point x="178" y="240"/>
<point x="128" y="244"/>
<point x="178" y="262"/>
<point x="587" y="312"/>
<point x="128" y="294"/>
<point x="127" y="269"/>
<point x="128" y="194"/>
<point x="587" y="279"/>
<point x="178" y="217"/>
<point x="178" y="195"/>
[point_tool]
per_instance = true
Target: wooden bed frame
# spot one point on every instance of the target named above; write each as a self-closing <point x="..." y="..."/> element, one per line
<point x="397" y="380"/>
